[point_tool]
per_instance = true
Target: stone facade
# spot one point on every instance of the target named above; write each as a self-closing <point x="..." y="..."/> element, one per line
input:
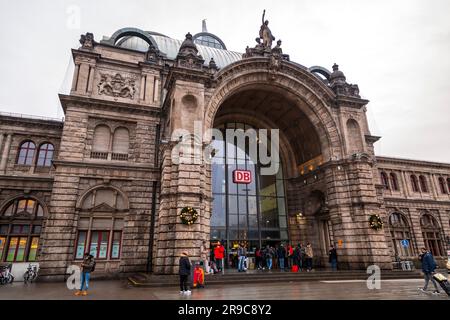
<point x="113" y="177"/>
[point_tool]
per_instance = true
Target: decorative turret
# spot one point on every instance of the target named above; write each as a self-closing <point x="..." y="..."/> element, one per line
<point x="188" y="56"/>
<point x="337" y="77"/>
<point x="213" y="65"/>
<point x="339" y="84"/>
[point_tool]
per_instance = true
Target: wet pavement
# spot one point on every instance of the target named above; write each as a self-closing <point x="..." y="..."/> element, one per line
<point x="405" y="289"/>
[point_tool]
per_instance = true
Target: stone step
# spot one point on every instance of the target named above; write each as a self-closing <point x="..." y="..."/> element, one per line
<point x="142" y="280"/>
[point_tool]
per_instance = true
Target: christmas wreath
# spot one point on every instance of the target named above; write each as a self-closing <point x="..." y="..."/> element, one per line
<point x="188" y="215"/>
<point x="375" y="222"/>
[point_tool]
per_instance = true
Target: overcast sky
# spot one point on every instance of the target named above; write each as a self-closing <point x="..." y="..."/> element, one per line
<point x="397" y="51"/>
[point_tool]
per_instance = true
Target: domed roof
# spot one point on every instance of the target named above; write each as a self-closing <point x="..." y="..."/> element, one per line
<point x="170" y="47"/>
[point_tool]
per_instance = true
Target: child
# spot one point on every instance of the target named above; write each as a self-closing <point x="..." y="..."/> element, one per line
<point x="199" y="277"/>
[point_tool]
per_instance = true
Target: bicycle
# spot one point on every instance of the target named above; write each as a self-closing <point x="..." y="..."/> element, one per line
<point x="6" y="276"/>
<point x="31" y="274"/>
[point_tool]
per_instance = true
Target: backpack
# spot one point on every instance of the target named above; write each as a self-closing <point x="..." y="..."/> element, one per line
<point x="93" y="266"/>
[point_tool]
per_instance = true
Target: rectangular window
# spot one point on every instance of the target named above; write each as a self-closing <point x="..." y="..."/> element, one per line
<point x="33" y="249"/>
<point x="2" y="246"/>
<point x="99" y="244"/>
<point x="81" y="245"/>
<point x="16" y="249"/>
<point x="103" y="244"/>
<point x="12" y="247"/>
<point x="20" y="229"/>
<point x="115" y="251"/>
<point x="4" y="229"/>
<point x="93" y="249"/>
<point x="20" y="256"/>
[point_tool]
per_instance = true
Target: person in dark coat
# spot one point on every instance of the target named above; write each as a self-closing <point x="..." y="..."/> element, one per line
<point x="281" y="254"/>
<point x="428" y="267"/>
<point x="332" y="257"/>
<point x="184" y="272"/>
<point x="298" y="257"/>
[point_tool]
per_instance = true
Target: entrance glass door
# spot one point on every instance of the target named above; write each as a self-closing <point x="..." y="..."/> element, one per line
<point x="253" y="213"/>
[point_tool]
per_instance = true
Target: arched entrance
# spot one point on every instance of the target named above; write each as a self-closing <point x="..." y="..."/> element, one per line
<point x="328" y="194"/>
<point x="265" y="210"/>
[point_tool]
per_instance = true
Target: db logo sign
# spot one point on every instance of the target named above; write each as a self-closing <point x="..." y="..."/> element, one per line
<point x="242" y="176"/>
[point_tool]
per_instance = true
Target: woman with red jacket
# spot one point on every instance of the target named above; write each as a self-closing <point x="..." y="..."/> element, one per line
<point x="219" y="252"/>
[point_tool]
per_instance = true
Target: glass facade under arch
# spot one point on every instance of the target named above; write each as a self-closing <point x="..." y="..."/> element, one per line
<point x="253" y="213"/>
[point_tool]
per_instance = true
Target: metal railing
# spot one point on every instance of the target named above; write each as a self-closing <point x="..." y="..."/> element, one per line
<point x="26" y="116"/>
<point x="99" y="155"/>
<point x="119" y="156"/>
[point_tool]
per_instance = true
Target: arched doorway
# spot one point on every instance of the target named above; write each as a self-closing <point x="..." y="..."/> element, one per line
<point x="260" y="212"/>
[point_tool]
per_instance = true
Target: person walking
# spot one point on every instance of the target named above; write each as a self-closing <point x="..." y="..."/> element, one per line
<point x="242" y="255"/>
<point x="219" y="252"/>
<point x="332" y="254"/>
<point x="309" y="256"/>
<point x="281" y="253"/>
<point x="428" y="268"/>
<point x="87" y="267"/>
<point x="184" y="271"/>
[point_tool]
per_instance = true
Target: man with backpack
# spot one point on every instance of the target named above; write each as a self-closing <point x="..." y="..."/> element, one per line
<point x="87" y="267"/>
<point x="428" y="267"/>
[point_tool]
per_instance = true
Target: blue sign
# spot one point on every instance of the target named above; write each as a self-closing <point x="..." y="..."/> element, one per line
<point x="405" y="243"/>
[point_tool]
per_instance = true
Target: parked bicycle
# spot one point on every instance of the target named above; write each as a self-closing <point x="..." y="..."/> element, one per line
<point x="31" y="274"/>
<point x="5" y="274"/>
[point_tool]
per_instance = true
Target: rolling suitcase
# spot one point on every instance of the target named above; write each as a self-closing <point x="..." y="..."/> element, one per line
<point x="443" y="282"/>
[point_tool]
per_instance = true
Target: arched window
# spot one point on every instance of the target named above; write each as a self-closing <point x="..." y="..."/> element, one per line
<point x="448" y="184"/>
<point x="45" y="155"/>
<point x="414" y="183"/>
<point x="354" y="136"/>
<point x="121" y="144"/>
<point x="400" y="231"/>
<point x="26" y="153"/>
<point x="394" y="181"/>
<point x="442" y="185"/>
<point x="100" y="147"/>
<point x="100" y="225"/>
<point x="384" y="180"/>
<point x="423" y="183"/>
<point x="20" y="228"/>
<point x="431" y="234"/>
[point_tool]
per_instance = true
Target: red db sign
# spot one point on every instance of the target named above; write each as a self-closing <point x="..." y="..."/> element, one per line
<point x="242" y="176"/>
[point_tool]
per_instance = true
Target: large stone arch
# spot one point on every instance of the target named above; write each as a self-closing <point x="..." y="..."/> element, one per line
<point x="310" y="95"/>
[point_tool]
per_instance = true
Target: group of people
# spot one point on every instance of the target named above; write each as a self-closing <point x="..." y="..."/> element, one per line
<point x="295" y="258"/>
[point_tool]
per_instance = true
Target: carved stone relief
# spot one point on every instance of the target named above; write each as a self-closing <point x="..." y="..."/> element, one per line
<point x="116" y="86"/>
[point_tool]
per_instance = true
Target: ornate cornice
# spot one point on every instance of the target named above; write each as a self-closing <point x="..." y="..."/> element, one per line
<point x="87" y="102"/>
<point x="106" y="165"/>
<point x="409" y="162"/>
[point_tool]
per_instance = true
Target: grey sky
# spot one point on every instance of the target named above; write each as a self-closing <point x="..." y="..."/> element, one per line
<point x="396" y="51"/>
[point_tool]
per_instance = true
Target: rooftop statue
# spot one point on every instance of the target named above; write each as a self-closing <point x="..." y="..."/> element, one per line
<point x="265" y="34"/>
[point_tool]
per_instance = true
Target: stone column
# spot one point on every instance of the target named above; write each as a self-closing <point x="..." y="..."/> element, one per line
<point x="5" y="154"/>
<point x="182" y="185"/>
<point x="1" y="142"/>
<point x="352" y="199"/>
